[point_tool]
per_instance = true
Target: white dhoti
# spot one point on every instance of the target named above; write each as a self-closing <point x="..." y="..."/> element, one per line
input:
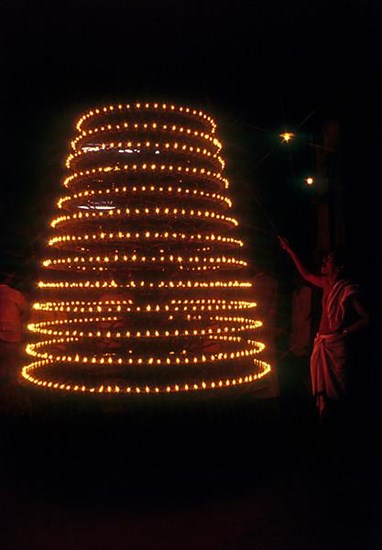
<point x="328" y="367"/>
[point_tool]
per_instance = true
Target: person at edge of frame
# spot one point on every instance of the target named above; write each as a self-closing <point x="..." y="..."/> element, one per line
<point x="343" y="315"/>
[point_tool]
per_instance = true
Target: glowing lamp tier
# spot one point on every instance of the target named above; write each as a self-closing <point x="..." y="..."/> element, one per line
<point x="143" y="287"/>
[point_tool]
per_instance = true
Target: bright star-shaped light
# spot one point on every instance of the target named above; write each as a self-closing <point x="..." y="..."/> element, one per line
<point x="287" y="136"/>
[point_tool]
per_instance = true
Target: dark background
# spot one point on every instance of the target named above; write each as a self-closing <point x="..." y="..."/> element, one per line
<point x="258" y="67"/>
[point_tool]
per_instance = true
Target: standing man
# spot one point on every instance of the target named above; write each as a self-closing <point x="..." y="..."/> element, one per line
<point x="343" y="315"/>
<point x="13" y="314"/>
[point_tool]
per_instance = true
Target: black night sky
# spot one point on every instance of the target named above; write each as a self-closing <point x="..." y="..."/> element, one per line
<point x="258" y="67"/>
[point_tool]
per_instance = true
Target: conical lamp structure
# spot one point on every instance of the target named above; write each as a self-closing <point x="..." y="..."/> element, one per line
<point x="143" y="287"/>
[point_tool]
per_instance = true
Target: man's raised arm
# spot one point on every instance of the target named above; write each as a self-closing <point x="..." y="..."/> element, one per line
<point x="316" y="280"/>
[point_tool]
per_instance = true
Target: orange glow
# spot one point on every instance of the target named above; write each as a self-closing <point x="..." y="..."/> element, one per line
<point x="143" y="287"/>
<point x="287" y="136"/>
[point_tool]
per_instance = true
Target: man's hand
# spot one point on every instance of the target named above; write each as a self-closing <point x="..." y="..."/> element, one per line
<point x="284" y="244"/>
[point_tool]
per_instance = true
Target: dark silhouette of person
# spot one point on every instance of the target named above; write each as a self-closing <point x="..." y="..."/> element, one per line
<point x="14" y="310"/>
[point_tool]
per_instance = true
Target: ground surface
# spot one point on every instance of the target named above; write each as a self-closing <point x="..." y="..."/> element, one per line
<point x="245" y="474"/>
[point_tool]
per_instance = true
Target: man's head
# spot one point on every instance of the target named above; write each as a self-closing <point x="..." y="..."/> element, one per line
<point x="334" y="262"/>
